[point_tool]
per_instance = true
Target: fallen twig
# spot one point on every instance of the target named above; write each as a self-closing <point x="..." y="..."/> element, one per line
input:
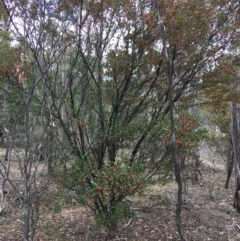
<point x="129" y="222"/>
<point x="235" y="224"/>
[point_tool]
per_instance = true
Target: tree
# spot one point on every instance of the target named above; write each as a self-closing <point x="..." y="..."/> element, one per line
<point x="109" y="73"/>
<point x="217" y="93"/>
<point x="181" y="39"/>
<point x="26" y="130"/>
<point x="236" y="145"/>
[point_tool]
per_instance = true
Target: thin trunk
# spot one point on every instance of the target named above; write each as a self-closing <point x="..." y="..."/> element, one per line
<point x="49" y="154"/>
<point x="235" y="140"/>
<point x="236" y="151"/>
<point x="230" y="163"/>
<point x="177" y="168"/>
<point x="235" y="136"/>
<point x="26" y="214"/>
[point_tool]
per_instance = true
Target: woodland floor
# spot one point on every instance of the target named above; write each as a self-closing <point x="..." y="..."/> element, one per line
<point x="207" y="216"/>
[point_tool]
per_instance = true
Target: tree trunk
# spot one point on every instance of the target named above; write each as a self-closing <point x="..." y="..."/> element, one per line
<point x="236" y="151"/>
<point x="177" y="168"/>
<point x="230" y="162"/>
<point x="49" y="154"/>
<point x="26" y="228"/>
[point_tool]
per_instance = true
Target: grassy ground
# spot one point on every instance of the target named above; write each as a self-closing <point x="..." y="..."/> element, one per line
<point x="207" y="216"/>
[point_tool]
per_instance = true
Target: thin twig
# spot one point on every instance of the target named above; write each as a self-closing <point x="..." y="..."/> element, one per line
<point x="235" y="224"/>
<point x="126" y="225"/>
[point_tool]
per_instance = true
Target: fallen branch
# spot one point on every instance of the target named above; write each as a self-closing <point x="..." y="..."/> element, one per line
<point x="235" y="224"/>
<point x="126" y="225"/>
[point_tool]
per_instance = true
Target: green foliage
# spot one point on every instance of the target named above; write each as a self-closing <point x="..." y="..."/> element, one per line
<point x="60" y="198"/>
<point x="117" y="212"/>
<point x="104" y="84"/>
<point x="163" y="200"/>
<point x="104" y="190"/>
<point x="55" y="208"/>
<point x="145" y="209"/>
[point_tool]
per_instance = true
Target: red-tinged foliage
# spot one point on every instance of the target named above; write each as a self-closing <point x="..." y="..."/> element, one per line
<point x="217" y="85"/>
<point x="101" y="66"/>
<point x="189" y="133"/>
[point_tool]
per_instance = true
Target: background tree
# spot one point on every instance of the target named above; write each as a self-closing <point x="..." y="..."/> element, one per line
<point x="25" y="131"/>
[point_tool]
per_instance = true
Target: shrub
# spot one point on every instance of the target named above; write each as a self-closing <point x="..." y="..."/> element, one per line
<point x="104" y="190"/>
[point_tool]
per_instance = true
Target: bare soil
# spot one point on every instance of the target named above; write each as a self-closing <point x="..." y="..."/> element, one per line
<point x="208" y="215"/>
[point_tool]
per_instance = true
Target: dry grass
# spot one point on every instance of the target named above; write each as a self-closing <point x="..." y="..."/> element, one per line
<point x="207" y="216"/>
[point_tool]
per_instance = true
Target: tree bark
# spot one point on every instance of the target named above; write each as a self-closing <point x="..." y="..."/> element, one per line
<point x="230" y="163"/>
<point x="235" y="140"/>
<point x="236" y="151"/>
<point x="177" y="169"/>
